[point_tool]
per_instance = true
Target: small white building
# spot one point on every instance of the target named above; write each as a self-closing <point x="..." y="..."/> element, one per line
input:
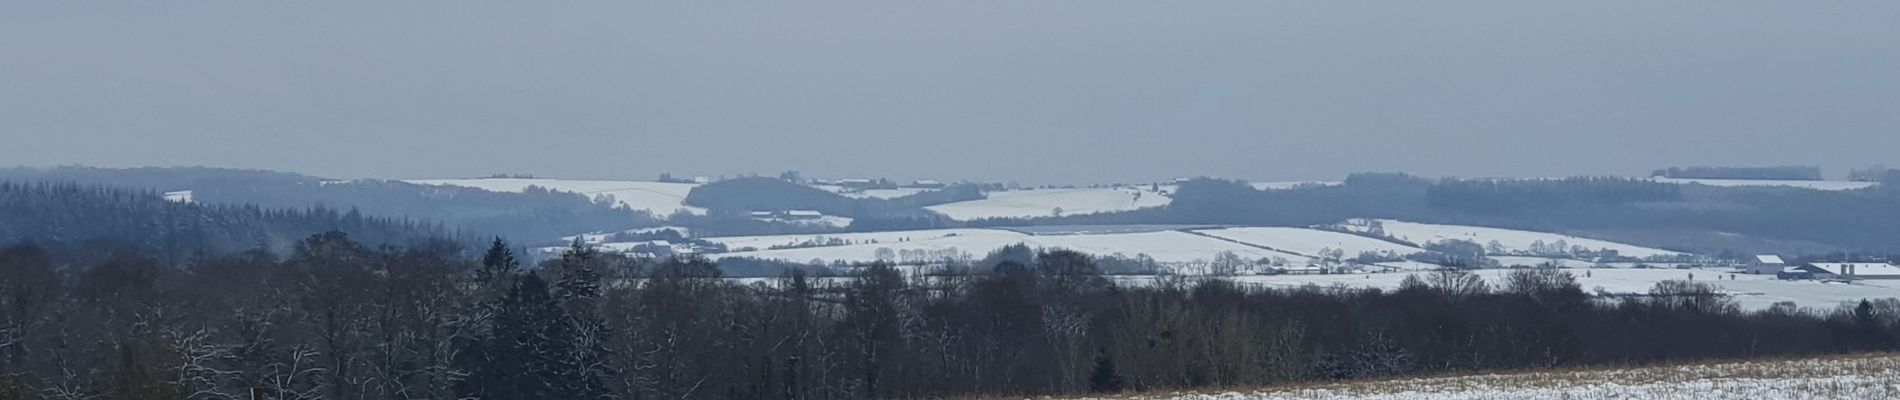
<point x="1765" y="264"/>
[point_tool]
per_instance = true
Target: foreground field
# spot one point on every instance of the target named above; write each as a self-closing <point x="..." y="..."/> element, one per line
<point x="1853" y="377"/>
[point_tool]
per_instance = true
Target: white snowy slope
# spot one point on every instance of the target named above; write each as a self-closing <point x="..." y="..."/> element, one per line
<point x="1510" y="239"/>
<point x="1309" y="241"/>
<point x="1816" y="185"/>
<point x="1045" y="203"/>
<point x="660" y="198"/>
<point x="1164" y="246"/>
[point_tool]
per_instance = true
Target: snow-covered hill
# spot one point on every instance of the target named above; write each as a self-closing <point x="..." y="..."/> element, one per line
<point x="1310" y="241"/>
<point x="1509" y="239"/>
<point x="1053" y="202"/>
<point x="660" y="198"/>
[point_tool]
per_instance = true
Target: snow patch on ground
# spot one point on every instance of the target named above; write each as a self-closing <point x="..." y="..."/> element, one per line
<point x="660" y="198"/>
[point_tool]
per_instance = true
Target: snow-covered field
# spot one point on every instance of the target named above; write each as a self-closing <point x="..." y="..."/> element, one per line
<point x="1752" y="292"/>
<point x="1816" y="185"/>
<point x="1046" y="202"/>
<point x="602" y="237"/>
<point x="1842" y="377"/>
<point x="1515" y="261"/>
<point x="1164" y="243"/>
<point x="763" y="242"/>
<point x="660" y="198"/>
<point x="1510" y="239"/>
<point x="1309" y="241"/>
<point x="1296" y="245"/>
<point x="1165" y="246"/>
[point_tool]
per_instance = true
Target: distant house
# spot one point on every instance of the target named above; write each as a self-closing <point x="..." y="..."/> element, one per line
<point x="926" y="184"/>
<point x="763" y="214"/>
<point x="1856" y="270"/>
<point x="1766" y="264"/>
<point x="857" y="183"/>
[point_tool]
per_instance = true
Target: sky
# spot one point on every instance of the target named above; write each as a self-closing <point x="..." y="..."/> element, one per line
<point x="1029" y="91"/>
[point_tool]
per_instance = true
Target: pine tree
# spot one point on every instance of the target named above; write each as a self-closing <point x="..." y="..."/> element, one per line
<point x="577" y="291"/>
<point x="1104" y="379"/>
<point x="528" y="351"/>
<point x="578" y="280"/>
<point x="499" y="262"/>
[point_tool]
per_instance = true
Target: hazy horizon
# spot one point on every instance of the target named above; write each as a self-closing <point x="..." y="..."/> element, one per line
<point x="1043" y="92"/>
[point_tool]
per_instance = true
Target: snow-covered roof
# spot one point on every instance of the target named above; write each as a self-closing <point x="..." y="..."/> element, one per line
<point x="804" y="213"/>
<point x="1859" y="268"/>
<point x="1769" y="259"/>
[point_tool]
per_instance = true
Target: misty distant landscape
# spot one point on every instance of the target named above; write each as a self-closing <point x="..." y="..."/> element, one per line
<point x="949" y="200"/>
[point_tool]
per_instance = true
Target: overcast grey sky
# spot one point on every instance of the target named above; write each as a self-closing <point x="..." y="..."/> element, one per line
<point x="1033" y="91"/>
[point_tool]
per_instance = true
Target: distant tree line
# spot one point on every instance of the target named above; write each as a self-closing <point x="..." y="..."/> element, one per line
<point x="1507" y="196"/>
<point x="64" y="214"/>
<point x="1786" y="173"/>
<point x="535" y="213"/>
<point x="338" y="319"/>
